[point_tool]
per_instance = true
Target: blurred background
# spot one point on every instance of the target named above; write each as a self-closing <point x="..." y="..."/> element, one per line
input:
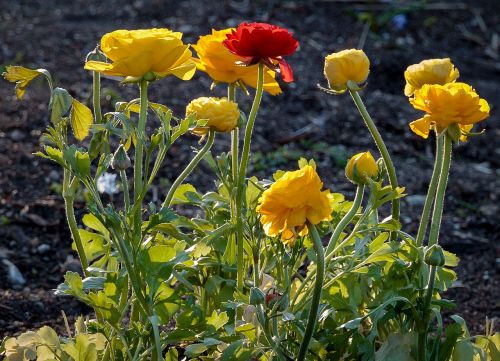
<point x="35" y="246"/>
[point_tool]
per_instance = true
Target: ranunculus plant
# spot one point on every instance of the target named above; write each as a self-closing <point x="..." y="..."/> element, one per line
<point x="282" y="268"/>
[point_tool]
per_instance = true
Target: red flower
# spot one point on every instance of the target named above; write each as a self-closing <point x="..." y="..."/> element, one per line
<point x="261" y="42"/>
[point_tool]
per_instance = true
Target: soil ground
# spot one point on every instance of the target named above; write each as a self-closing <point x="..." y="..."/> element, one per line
<point x="303" y="121"/>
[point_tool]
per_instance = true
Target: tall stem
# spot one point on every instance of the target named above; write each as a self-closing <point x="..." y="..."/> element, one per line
<point x="96" y="96"/>
<point x="189" y="168"/>
<point x="437" y="213"/>
<point x="332" y="243"/>
<point x="69" y="198"/>
<point x="139" y="150"/>
<point x="391" y="171"/>
<point x="126" y="196"/>
<point x="318" y="286"/>
<point x="424" y="219"/>
<point x="242" y="175"/>
<point x="231" y="96"/>
<point x="433" y="239"/>
<point x="358" y="198"/>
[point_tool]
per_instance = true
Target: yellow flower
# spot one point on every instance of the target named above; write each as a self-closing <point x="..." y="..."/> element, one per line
<point x="134" y="53"/>
<point x="221" y="114"/>
<point x="351" y="64"/>
<point x="360" y="167"/>
<point x="291" y="201"/>
<point x="222" y="65"/>
<point x="431" y="71"/>
<point x="21" y="76"/>
<point x="445" y="105"/>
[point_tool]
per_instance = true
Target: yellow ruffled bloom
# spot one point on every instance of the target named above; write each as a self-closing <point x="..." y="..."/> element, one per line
<point x="21" y="76"/>
<point x="431" y="71"/>
<point x="134" y="53"/>
<point x="346" y="65"/>
<point x="360" y="167"/>
<point x="445" y="105"/>
<point x="222" y="65"/>
<point x="221" y="114"/>
<point x="291" y="201"/>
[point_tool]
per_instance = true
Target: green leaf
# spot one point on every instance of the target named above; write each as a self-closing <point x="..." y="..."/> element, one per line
<point x="217" y="320"/>
<point x="195" y="349"/>
<point x="397" y="347"/>
<point x="180" y="193"/>
<point x="81" y="120"/>
<point x="60" y="103"/>
<point x="236" y="352"/>
<point x="247" y="329"/>
<point x="93" y="244"/>
<point x="91" y="221"/>
<point x="463" y="351"/>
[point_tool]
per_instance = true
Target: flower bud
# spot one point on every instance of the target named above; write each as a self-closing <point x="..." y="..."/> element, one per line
<point x="346" y="65"/>
<point x="96" y="55"/>
<point x="257" y="297"/>
<point x="360" y="167"/>
<point x="221" y="114"/>
<point x="120" y="161"/>
<point x="434" y="256"/>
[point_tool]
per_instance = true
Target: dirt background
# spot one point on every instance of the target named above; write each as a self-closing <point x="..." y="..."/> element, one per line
<point x="57" y="34"/>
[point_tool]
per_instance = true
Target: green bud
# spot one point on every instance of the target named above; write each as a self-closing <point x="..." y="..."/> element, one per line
<point x="149" y="76"/>
<point x="434" y="256"/>
<point x="257" y="297"/>
<point x="121" y="161"/>
<point x="454" y="132"/>
<point x="156" y="139"/>
<point x="96" y="55"/>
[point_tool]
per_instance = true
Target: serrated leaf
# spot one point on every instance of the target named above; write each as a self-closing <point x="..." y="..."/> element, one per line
<point x="217" y="320"/>
<point x="81" y="120"/>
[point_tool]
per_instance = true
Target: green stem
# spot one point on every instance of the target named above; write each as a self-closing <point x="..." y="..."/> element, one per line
<point x="422" y="335"/>
<point x="69" y="198"/>
<point x="424" y="219"/>
<point x="332" y="247"/>
<point x="358" y="198"/>
<point x="433" y="239"/>
<point x="240" y="192"/>
<point x="231" y="96"/>
<point x="391" y="171"/>
<point x="139" y="151"/>
<point x="318" y="286"/>
<point x="126" y="196"/>
<point x="441" y="189"/>
<point x="96" y="96"/>
<point x="189" y="168"/>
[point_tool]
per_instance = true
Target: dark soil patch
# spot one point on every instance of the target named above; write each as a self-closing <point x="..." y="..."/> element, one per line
<point x="56" y="35"/>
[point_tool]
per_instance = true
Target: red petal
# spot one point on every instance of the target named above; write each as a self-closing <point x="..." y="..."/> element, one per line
<point x="286" y="71"/>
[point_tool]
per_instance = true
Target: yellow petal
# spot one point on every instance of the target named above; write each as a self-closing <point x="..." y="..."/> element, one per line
<point x="421" y="127"/>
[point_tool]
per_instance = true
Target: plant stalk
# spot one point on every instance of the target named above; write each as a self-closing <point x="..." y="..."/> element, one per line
<point x="139" y="152"/>
<point x="96" y="96"/>
<point x="189" y="168"/>
<point x="429" y="199"/>
<point x="358" y="198"/>
<point x="69" y="198"/>
<point x="240" y="192"/>
<point x="433" y="239"/>
<point x="318" y="286"/>
<point x="391" y="171"/>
